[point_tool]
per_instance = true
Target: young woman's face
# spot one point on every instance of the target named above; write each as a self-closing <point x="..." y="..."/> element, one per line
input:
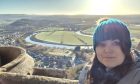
<point x="109" y="53"/>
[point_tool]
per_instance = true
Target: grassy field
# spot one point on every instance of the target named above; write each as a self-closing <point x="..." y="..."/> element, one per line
<point x="51" y="29"/>
<point x="71" y="38"/>
<point x="49" y="36"/>
<point x="64" y="37"/>
<point x="89" y="31"/>
<point x="134" y="31"/>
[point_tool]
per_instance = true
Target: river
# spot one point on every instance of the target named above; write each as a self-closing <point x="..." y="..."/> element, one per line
<point x="27" y="39"/>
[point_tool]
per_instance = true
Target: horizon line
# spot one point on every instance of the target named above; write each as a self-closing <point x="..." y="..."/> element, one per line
<point x="69" y="14"/>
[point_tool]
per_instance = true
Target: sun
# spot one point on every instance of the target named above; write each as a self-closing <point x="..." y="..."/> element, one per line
<point x="100" y="7"/>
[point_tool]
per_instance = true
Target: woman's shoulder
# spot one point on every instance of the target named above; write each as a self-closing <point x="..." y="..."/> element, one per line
<point x="136" y="79"/>
<point x="133" y="77"/>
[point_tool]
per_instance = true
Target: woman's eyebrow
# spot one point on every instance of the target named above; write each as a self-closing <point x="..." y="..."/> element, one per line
<point x="116" y="40"/>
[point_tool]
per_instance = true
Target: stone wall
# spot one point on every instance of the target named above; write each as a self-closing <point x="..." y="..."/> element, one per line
<point x="17" y="67"/>
<point x="14" y="78"/>
<point x="59" y="73"/>
<point x="138" y="46"/>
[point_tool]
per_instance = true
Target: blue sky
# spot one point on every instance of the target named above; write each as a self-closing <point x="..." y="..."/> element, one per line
<point x="70" y="7"/>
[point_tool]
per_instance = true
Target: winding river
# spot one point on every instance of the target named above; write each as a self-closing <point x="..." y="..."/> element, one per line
<point x="28" y="39"/>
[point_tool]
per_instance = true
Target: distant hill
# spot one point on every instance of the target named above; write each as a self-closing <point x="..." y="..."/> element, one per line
<point x="30" y="24"/>
<point x="67" y="21"/>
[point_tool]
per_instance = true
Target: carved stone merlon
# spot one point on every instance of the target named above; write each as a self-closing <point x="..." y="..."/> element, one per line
<point x="15" y="60"/>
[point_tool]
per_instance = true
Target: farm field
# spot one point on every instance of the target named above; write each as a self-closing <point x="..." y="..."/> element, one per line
<point x="64" y="37"/>
<point x="72" y="38"/>
<point x="134" y="31"/>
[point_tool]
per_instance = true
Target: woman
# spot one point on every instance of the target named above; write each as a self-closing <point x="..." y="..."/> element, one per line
<point x="113" y="62"/>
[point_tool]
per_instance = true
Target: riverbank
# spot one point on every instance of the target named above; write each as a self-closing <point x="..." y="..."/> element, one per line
<point x="28" y="39"/>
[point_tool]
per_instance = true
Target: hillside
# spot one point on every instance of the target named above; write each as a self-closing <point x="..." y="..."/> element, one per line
<point x="78" y="21"/>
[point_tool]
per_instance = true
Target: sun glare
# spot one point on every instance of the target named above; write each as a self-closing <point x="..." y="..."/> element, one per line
<point x="100" y="7"/>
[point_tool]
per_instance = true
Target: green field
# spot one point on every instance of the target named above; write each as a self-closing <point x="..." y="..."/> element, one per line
<point x="134" y="31"/>
<point x="64" y="37"/>
<point x="51" y="29"/>
<point x="71" y="38"/>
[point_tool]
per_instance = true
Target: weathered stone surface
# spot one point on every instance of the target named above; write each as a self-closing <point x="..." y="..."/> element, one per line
<point x="59" y="73"/>
<point x="16" y="60"/>
<point x="17" y="67"/>
<point x="14" y="78"/>
<point x="138" y="46"/>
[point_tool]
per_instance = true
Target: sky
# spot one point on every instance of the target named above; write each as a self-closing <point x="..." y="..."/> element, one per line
<point x="70" y="7"/>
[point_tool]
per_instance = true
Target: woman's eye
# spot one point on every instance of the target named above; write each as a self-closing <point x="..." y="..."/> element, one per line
<point x="115" y="43"/>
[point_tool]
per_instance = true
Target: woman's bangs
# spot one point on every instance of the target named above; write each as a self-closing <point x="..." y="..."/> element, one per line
<point x="106" y="34"/>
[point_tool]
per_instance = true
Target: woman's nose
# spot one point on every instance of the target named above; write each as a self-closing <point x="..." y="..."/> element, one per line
<point x="108" y="48"/>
